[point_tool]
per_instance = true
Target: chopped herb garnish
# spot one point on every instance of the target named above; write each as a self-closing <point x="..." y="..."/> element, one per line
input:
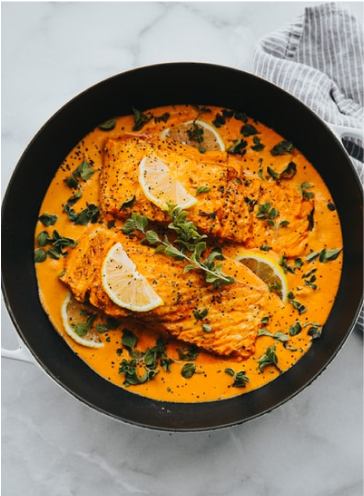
<point x="279" y="335"/>
<point x="315" y="330"/>
<point x="48" y="219"/>
<point x="84" y="171"/>
<point x="188" y="370"/>
<point x="288" y="173"/>
<point x="188" y="354"/>
<point x="206" y="328"/>
<point x="196" y="134"/>
<point x="258" y="145"/>
<point x="72" y="182"/>
<point x="298" y="262"/>
<point x="311" y="281"/>
<point x="127" y="203"/>
<point x="326" y="255"/>
<point x="238" y="147"/>
<point x="308" y="195"/>
<point x="312" y="256"/>
<point x="140" y="119"/>
<point x="129" y="340"/>
<point x="40" y="255"/>
<point x="248" y="130"/>
<point x="295" y="329"/>
<point x="269" y="358"/>
<point x="58" y="243"/>
<point x="240" y="378"/>
<point x="101" y="328"/>
<point x="296" y="304"/>
<point x="108" y="125"/>
<point x="219" y="121"/>
<point x="283" y="263"/>
<point x="241" y="116"/>
<point x="282" y="147"/>
<point x="90" y="214"/>
<point x="162" y="118"/>
<point x="74" y="198"/>
<point x="202" y="189"/>
<point x="201" y="314"/>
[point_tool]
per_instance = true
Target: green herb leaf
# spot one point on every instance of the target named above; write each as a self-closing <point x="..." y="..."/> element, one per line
<point x="279" y="335"/>
<point x="81" y="328"/>
<point x="315" y="331"/>
<point x="44" y="239"/>
<point x="230" y="372"/>
<point x="238" y="147"/>
<point x="72" y="182"/>
<point x="75" y="197"/>
<point x="127" y="203"/>
<point x="188" y="370"/>
<point x="248" y="130"/>
<point x="269" y="358"/>
<point x="202" y="189"/>
<point x="308" y="195"/>
<point x="140" y="119"/>
<point x="108" y="125"/>
<point x="48" y="219"/>
<point x="189" y="353"/>
<point x="101" y="328"/>
<point x="312" y="256"/>
<point x="84" y="171"/>
<point x="40" y="255"/>
<point x="295" y="329"/>
<point x="162" y="118"/>
<point x="201" y="314"/>
<point x="326" y="255"/>
<point x="129" y="340"/>
<point x="282" y="147"/>
<point x="258" y="145"/>
<point x="240" y="379"/>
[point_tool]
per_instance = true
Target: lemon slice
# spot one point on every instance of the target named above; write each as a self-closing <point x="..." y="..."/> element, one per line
<point x="267" y="269"/>
<point x="196" y="133"/>
<point x="123" y="283"/>
<point x="76" y="318"/>
<point x="159" y="185"/>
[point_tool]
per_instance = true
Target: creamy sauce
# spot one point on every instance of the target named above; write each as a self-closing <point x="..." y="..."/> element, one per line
<point x="211" y="381"/>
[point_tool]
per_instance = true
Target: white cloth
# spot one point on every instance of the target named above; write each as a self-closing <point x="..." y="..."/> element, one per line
<point x="319" y="58"/>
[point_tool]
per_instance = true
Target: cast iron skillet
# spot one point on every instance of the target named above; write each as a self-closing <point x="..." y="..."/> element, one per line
<point x="144" y="88"/>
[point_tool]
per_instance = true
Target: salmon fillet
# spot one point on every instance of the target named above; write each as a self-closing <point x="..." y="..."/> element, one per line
<point x="228" y="211"/>
<point x="234" y="312"/>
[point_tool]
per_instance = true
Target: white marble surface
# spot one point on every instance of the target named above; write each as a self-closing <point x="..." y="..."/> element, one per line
<point x="51" y="443"/>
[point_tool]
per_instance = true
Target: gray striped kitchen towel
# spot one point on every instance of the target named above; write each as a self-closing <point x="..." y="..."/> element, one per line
<point x="319" y="58"/>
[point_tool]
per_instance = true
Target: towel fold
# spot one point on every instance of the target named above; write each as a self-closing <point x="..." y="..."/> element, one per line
<point x="319" y="58"/>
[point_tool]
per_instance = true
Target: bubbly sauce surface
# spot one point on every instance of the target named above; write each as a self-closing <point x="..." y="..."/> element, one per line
<point x="312" y="279"/>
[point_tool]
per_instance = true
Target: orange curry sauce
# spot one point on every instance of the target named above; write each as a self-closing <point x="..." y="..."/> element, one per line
<point x="312" y="282"/>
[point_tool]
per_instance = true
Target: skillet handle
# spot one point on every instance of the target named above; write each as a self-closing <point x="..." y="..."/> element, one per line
<point x="21" y="354"/>
<point x="344" y="131"/>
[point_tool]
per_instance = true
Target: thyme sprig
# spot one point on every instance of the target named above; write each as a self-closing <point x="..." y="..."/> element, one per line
<point x="188" y="245"/>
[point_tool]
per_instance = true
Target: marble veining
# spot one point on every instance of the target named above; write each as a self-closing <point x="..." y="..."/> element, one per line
<point x="52" y="443"/>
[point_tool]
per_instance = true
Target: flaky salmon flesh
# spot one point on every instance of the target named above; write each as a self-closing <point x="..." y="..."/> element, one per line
<point x="233" y="313"/>
<point x="229" y="208"/>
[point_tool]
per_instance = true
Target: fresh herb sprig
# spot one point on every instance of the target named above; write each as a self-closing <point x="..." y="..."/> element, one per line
<point x="190" y="245"/>
<point x="268" y="213"/>
<point x="269" y="358"/>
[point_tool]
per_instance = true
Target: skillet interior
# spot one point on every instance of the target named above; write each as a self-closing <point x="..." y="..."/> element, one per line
<point x="146" y="88"/>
